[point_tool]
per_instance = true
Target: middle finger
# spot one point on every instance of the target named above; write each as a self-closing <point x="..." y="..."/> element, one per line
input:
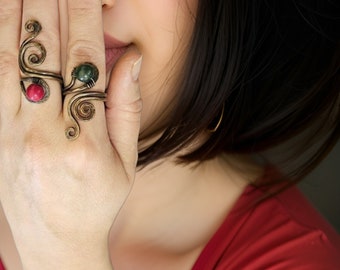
<point x="86" y="45"/>
<point x="45" y="44"/>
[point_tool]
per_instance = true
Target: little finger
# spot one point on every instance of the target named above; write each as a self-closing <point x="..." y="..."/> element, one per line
<point x="10" y="20"/>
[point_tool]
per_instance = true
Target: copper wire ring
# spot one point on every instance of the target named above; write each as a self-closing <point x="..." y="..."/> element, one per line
<point x="32" y="54"/>
<point x="36" y="89"/>
<point x="80" y="107"/>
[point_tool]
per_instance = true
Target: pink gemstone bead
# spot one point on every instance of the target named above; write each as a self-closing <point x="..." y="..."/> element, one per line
<point x="35" y="92"/>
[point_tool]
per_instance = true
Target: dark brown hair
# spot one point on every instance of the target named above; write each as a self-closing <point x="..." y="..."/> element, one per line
<point x="273" y="65"/>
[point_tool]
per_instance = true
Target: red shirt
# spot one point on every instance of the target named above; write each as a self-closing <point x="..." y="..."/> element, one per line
<point x="283" y="232"/>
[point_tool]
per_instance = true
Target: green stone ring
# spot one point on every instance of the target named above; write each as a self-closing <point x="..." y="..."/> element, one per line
<point x="80" y="106"/>
<point x="86" y="73"/>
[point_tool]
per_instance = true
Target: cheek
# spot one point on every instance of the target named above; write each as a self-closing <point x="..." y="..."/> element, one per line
<point x="157" y="91"/>
<point x="164" y="52"/>
<point x="160" y="29"/>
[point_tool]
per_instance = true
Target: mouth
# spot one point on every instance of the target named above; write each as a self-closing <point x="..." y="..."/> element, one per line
<point x="114" y="49"/>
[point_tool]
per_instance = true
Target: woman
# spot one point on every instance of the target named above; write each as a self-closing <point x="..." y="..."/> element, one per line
<point x="220" y="81"/>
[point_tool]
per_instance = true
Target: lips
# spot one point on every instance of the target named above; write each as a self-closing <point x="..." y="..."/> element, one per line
<point x="114" y="49"/>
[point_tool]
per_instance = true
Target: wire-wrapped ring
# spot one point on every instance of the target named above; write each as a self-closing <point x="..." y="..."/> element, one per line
<point x="38" y="90"/>
<point x="80" y="106"/>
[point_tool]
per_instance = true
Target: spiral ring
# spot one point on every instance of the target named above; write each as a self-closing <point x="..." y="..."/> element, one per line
<point x="38" y="91"/>
<point x="80" y="107"/>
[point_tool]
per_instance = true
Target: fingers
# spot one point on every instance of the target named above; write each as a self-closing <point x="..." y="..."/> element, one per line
<point x="124" y="106"/>
<point x="47" y="13"/>
<point x="48" y="55"/>
<point x="10" y="20"/>
<point x="86" y="45"/>
<point x="86" y="39"/>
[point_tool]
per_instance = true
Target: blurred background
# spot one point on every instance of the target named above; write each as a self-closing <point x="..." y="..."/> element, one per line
<point x="322" y="188"/>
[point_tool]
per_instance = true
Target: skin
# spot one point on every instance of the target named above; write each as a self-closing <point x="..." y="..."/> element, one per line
<point x="60" y="198"/>
<point x="162" y="38"/>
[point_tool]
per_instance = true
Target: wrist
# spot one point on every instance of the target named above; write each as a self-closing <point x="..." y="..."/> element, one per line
<point x="72" y="256"/>
<point x="67" y="262"/>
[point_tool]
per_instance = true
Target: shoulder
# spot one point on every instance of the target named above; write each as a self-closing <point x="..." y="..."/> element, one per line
<point x="282" y="232"/>
<point x="286" y="232"/>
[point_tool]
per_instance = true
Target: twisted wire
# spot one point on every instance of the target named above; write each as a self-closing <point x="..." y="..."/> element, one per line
<point x="36" y="58"/>
<point x="80" y="108"/>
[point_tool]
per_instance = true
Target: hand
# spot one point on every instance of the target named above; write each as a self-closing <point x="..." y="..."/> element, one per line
<point x="61" y="196"/>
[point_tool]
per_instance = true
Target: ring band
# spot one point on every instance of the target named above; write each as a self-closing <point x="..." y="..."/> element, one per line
<point x="80" y="106"/>
<point x="38" y="90"/>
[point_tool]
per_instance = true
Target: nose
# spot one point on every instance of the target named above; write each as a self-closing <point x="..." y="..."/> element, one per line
<point x="108" y="3"/>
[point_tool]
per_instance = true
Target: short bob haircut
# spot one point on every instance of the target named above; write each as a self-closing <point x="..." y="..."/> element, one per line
<point x="274" y="66"/>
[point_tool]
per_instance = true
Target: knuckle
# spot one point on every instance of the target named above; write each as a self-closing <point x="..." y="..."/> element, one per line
<point x="74" y="158"/>
<point x="137" y="106"/>
<point x="85" y="50"/>
<point x="7" y="11"/>
<point x="8" y="63"/>
<point x="81" y="11"/>
<point x="131" y="112"/>
<point x="34" y="141"/>
<point x="134" y="107"/>
<point x="84" y="7"/>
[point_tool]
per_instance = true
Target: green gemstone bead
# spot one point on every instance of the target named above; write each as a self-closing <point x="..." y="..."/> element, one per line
<point x="86" y="72"/>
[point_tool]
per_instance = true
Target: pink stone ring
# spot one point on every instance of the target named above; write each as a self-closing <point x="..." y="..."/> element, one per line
<point x="34" y="85"/>
<point x="36" y="89"/>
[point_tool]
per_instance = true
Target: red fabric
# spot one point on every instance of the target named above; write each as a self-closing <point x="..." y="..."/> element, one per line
<point x="283" y="232"/>
<point x="1" y="266"/>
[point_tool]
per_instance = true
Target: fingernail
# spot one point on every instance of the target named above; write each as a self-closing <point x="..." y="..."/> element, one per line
<point x="136" y="69"/>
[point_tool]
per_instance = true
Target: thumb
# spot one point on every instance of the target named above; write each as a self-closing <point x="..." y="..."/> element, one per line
<point x="123" y="108"/>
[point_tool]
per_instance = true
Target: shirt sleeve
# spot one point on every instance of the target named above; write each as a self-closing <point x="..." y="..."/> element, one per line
<point x="282" y="232"/>
<point x="303" y="251"/>
<point x="2" y="267"/>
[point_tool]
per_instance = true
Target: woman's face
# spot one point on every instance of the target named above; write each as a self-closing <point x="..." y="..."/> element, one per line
<point x="161" y="30"/>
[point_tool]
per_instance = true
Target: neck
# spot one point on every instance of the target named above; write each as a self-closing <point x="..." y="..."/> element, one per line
<point x="174" y="210"/>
